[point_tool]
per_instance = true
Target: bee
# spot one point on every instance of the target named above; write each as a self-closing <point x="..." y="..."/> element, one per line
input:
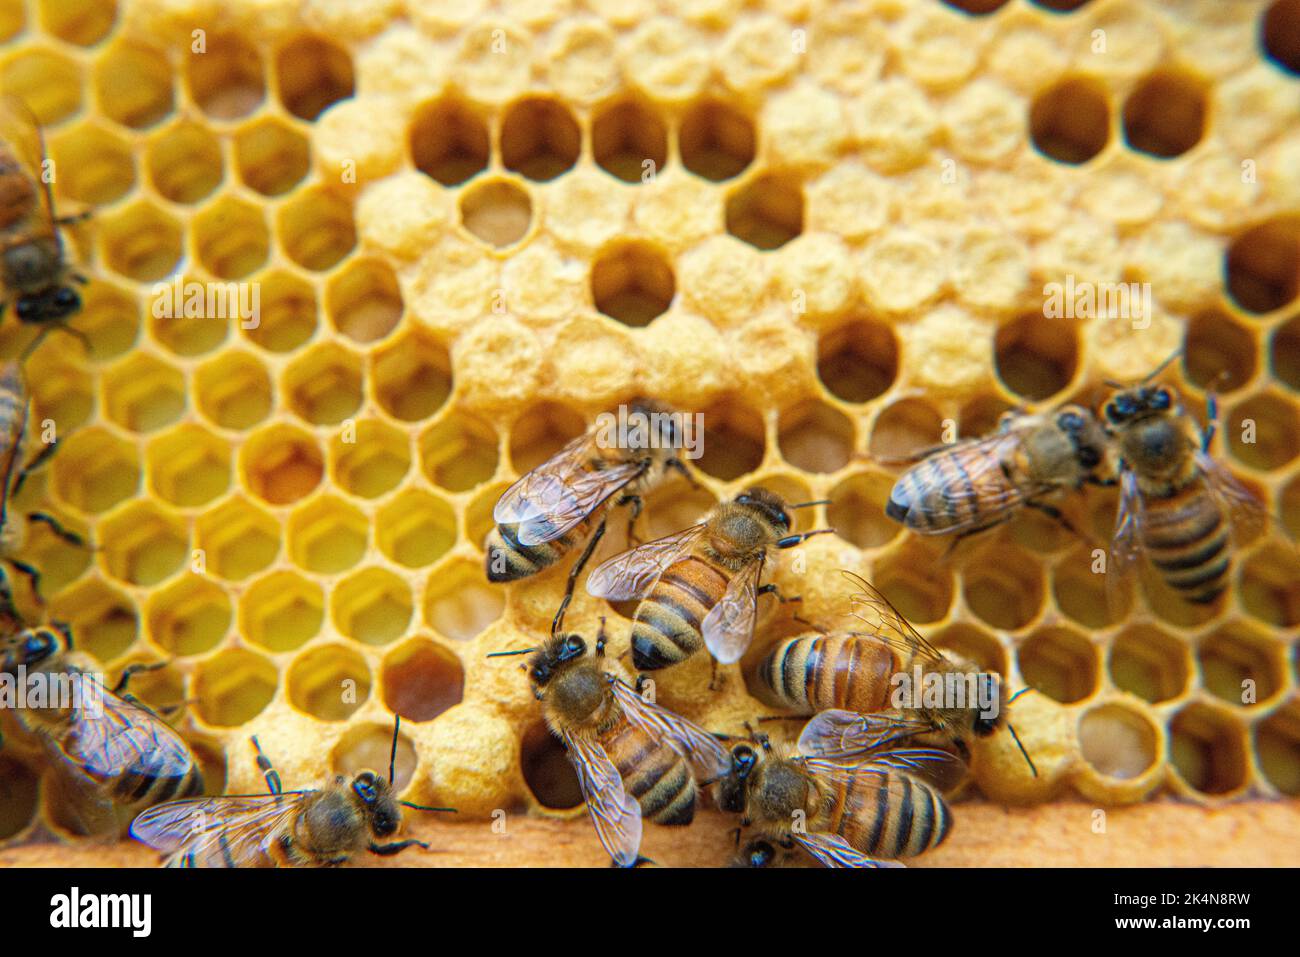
<point x="633" y="758"/>
<point x="699" y="587"/>
<point x="117" y="754"/>
<point x="308" y="828"/>
<point x="850" y="678"/>
<point x="868" y="812"/>
<point x="544" y="515"/>
<point x="975" y="484"/>
<point x="1177" y="504"/>
<point x="33" y="266"/>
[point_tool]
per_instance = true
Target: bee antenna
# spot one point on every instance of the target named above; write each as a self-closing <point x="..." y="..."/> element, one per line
<point x="1020" y="745"/>
<point x="820" y="501"/>
<point x="1023" y="690"/>
<point x="425" y="807"/>
<point x="506" y="654"/>
<point x="392" y="755"/>
<point x="1112" y="384"/>
<point x="1164" y="365"/>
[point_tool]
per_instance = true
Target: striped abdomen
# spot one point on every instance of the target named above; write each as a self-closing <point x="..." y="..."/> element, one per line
<point x="653" y="773"/>
<point x="890" y="815"/>
<point x="667" y="625"/>
<point x="508" y="560"/>
<point x="960" y="487"/>
<point x="819" y="672"/>
<point x="1186" y="536"/>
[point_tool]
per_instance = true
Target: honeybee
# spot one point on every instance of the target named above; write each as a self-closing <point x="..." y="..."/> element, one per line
<point x="309" y="828"/>
<point x="848" y="679"/>
<point x="33" y="266"/>
<point x="975" y="484"/>
<point x="864" y="813"/>
<point x="700" y="586"/>
<point x="633" y="758"/>
<point x="1177" y="504"/>
<point x="544" y="515"/>
<point x="117" y="754"/>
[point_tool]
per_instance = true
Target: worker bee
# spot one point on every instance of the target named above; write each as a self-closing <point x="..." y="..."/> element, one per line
<point x="308" y="828"/>
<point x="1177" y="504"/>
<point x="33" y="266"/>
<point x="543" y="516"/>
<point x="851" y="678"/>
<point x="868" y="812"/>
<point x="117" y="755"/>
<point x="633" y="758"/>
<point x="975" y="484"/>
<point x="700" y="586"/>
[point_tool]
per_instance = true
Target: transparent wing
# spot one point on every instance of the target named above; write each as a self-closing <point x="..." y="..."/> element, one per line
<point x="615" y="813"/>
<point x="20" y="136"/>
<point x="696" y="745"/>
<point x="120" y="736"/>
<point x="831" y="850"/>
<point x="1248" y="516"/>
<point x="838" y="733"/>
<point x="984" y="485"/>
<point x="884" y="622"/>
<point x="633" y="573"/>
<point x="872" y="769"/>
<point x="729" y="626"/>
<point x="243" y="826"/>
<point x="1126" y="541"/>
<point x="13" y="389"/>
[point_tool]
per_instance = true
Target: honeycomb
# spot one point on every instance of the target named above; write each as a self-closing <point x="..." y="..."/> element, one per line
<point x="474" y="225"/>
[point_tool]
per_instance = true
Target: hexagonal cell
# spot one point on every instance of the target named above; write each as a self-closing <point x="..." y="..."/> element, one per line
<point x="672" y="506"/>
<point x="1149" y="662"/>
<point x="372" y="606"/>
<point x="542" y="430"/>
<point x="231" y="238"/>
<point x="422" y="679"/>
<point x="327" y="536"/>
<point x="717" y="141"/>
<point x="271" y="156"/>
<point x="143" y="545"/>
<point x="459" y="452"/>
<point x="540" y="139"/>
<point x="858" y="360"/>
<point x="48" y="82"/>
<point x="104" y="620"/>
<point x="324" y="384"/>
<point x="1079" y="591"/>
<point x="629" y="140"/>
<point x="1241" y="666"/>
<point x="1070" y="120"/>
<point x="909" y="578"/>
<point x="768" y="211"/>
<point x="189" y="617"/>
<point x="237" y="539"/>
<point x="282" y="611"/>
<point x="1218" y="353"/>
<point x="316" y="228"/>
<point x="18" y="798"/>
<point x="110" y="319"/>
<point x="498" y="211"/>
<point x="143" y="394"/>
<point x="857" y="510"/>
<point x="313" y="74"/>
<point x="1277" y="750"/>
<point x="234" y="687"/>
<point x="1269" y="586"/>
<point x="734" y="441"/>
<point x="233" y="390"/>
<point x="1208" y="750"/>
<point x="1279" y="34"/>
<point x="371" y="460"/>
<point x="1036" y="358"/>
<point x="449" y="141"/>
<point x="903" y="429"/>
<point x="329" y="682"/>
<point x="95" y="470"/>
<point x="411" y="376"/>
<point x="60" y="561"/>
<point x="364" y="300"/>
<point x="80" y="22"/>
<point x="1061" y="663"/>
<point x="1263" y="265"/>
<point x="190" y="317"/>
<point x="225" y="77"/>
<point x="133" y="84"/>
<point x="547" y="770"/>
<point x="1284" y="353"/>
<point x="288" y="313"/>
<point x="1004" y="587"/>
<point x="1119" y="741"/>
<point x="140" y="242"/>
<point x="184" y="162"/>
<point x="416" y="528"/>
<point x="815" y="437"/>
<point x="478" y="514"/>
<point x="368" y="748"/>
<point x="632" y="281"/>
<point x="1264" y="432"/>
<point x="972" y="644"/>
<point x="459" y="603"/>
<point x="1165" y="114"/>
<point x="96" y="166"/>
<point x="281" y="464"/>
<point x="188" y="466"/>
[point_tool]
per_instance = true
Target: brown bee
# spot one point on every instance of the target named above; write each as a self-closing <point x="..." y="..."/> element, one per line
<point x="310" y="828"/>
<point x="699" y="587"/>
<point x="975" y="484"/>
<point x="633" y="758"/>
<point x="544" y="515"/>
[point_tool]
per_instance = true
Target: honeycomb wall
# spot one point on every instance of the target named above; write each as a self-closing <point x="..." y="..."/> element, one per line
<point x="473" y="226"/>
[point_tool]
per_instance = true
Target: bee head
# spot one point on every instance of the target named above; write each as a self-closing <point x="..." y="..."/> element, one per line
<point x="731" y="787"/>
<point x="558" y="650"/>
<point x="1085" y="434"/>
<point x="770" y="506"/>
<point x="49" y="305"/>
<point x="376" y="799"/>
<point x="991" y="690"/>
<point x="1133" y="404"/>
<point x="33" y="647"/>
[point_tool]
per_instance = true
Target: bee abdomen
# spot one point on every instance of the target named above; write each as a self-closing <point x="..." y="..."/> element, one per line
<point x="508" y="560"/>
<point x="655" y="775"/>
<point x="1187" y="539"/>
<point x="938" y="493"/>
<point x="667" y="625"/>
<point x="898" y="817"/>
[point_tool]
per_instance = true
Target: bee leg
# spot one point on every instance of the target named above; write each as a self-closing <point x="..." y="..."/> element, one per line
<point x="132" y="670"/>
<point x="268" y="770"/>
<point x="600" y="641"/>
<point x="1051" y="511"/>
<point x="736" y="832"/>
<point x="633" y="540"/>
<point x="72" y="538"/>
<point x="966" y="533"/>
<point x="1212" y="425"/>
<point x="679" y="466"/>
<point x="572" y="581"/>
<point x="33" y="577"/>
<point x="713" y="674"/>
<point x="388" y="850"/>
<point x="36" y="461"/>
<point x="771" y="589"/>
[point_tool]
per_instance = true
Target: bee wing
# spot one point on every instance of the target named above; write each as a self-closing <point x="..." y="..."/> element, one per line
<point x="242" y="825"/>
<point x="693" y="743"/>
<point x="831" y="850"/>
<point x="729" y="627"/>
<point x="872" y="769"/>
<point x="554" y="497"/>
<point x="1126" y="541"/>
<point x="615" y="813"/>
<point x="1248" y="516"/>
<point x="886" y="623"/>
<point x="838" y="733"/>
<point x="983" y="491"/>
<point x="122" y="737"/>
<point x="633" y="573"/>
<point x="20" y="134"/>
<point x="13" y="386"/>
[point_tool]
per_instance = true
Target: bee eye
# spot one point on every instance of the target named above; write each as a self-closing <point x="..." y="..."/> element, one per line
<point x="742" y="759"/>
<point x="365" y="788"/>
<point x="67" y="298"/>
<point x="1089" y="457"/>
<point x="761" y="854"/>
<point x="1070" y="421"/>
<point x="1161" y="399"/>
<point x="540" y="673"/>
<point x="744" y="500"/>
<point x="38" y="645"/>
<point x="25" y="308"/>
